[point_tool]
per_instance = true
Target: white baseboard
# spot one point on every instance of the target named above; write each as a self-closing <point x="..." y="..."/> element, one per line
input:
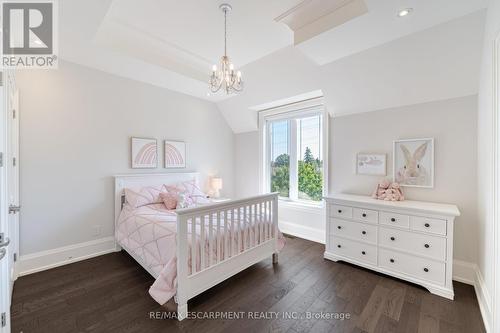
<point x="312" y="234"/>
<point x="40" y="261"/>
<point x="484" y="300"/>
<point x="467" y="272"/>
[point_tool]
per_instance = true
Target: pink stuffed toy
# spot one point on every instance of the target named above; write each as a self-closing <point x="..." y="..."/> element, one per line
<point x="388" y="191"/>
<point x="380" y="191"/>
<point x="395" y="192"/>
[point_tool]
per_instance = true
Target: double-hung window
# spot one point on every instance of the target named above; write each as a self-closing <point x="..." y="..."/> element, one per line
<point x="294" y="149"/>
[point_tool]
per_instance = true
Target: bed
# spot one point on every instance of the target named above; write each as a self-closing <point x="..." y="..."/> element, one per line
<point x="190" y="250"/>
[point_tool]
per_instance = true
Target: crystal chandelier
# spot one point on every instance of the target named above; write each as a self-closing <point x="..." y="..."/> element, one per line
<point x="225" y="77"/>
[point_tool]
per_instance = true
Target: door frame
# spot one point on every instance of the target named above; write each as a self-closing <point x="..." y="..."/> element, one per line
<point x="495" y="311"/>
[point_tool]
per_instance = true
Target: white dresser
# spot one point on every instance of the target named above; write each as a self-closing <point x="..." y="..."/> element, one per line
<point x="410" y="240"/>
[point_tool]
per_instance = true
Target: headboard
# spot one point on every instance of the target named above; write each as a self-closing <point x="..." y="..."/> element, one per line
<point x="141" y="180"/>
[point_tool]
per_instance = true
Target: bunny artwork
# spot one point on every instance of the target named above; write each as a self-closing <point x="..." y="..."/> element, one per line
<point x="413" y="172"/>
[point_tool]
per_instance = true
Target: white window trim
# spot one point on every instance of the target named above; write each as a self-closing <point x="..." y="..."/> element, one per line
<point x="312" y="106"/>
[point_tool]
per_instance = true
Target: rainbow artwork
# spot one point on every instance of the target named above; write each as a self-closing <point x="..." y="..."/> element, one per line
<point x="175" y="154"/>
<point x="144" y="153"/>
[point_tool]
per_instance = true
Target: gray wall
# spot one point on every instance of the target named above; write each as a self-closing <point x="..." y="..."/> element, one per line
<point x="76" y="124"/>
<point x="451" y="122"/>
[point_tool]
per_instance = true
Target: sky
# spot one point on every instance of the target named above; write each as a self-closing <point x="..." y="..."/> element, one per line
<point x="308" y="134"/>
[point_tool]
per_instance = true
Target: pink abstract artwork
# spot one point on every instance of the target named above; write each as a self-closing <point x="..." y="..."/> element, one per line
<point x="175" y="154"/>
<point x="144" y="153"/>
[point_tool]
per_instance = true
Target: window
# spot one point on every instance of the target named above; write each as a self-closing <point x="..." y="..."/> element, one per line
<point x="294" y="153"/>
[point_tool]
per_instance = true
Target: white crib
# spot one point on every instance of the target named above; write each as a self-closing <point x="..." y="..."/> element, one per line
<point x="260" y="212"/>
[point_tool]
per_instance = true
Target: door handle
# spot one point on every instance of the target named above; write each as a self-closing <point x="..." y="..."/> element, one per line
<point x="2" y="253"/>
<point x="14" y="209"/>
<point x="5" y="243"/>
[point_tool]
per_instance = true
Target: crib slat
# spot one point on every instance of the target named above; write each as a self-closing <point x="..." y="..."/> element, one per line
<point x="226" y="247"/>
<point x="266" y="221"/>
<point x="269" y="221"/>
<point x="262" y="221"/>
<point x="257" y="229"/>
<point x="210" y="238"/>
<point x="252" y="225"/>
<point x="244" y="232"/>
<point x="202" y="242"/>
<point x="240" y="214"/>
<point x="231" y="236"/>
<point x="193" y="245"/>
<point x="217" y="242"/>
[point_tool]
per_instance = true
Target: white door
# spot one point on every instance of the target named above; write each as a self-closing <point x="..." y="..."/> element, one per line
<point x="6" y="253"/>
<point x="13" y="176"/>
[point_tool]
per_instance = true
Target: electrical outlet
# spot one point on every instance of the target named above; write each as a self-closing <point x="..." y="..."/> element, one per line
<point x="97" y="230"/>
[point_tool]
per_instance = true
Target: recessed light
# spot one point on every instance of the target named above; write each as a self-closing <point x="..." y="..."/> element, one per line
<point x="208" y="94"/>
<point x="405" y="12"/>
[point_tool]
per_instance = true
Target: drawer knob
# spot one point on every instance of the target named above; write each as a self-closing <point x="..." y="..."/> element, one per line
<point x="363" y="232"/>
<point x="363" y="252"/>
<point x="393" y="219"/>
<point x="339" y="246"/>
<point x="364" y="214"/>
<point x="427" y="246"/>
<point x="339" y="227"/>
<point x="427" y="225"/>
<point x="393" y="239"/>
<point x="392" y="260"/>
<point x="340" y="211"/>
<point x="426" y="269"/>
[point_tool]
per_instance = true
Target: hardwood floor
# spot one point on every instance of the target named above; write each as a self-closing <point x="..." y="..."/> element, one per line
<point x="110" y="294"/>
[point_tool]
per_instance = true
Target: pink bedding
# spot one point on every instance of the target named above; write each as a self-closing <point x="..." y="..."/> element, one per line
<point x="149" y="232"/>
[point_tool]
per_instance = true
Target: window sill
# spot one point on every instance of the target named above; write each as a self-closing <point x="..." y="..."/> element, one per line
<point x="302" y="206"/>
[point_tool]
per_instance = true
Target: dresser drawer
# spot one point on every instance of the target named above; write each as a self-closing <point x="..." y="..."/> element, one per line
<point x="355" y="250"/>
<point x="425" y="224"/>
<point x="354" y="230"/>
<point x="426" y="245"/>
<point x="413" y="266"/>
<point x="395" y="220"/>
<point x="341" y="211"/>
<point x="365" y="215"/>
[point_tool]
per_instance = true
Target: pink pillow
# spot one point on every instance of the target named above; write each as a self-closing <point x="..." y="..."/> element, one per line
<point x="195" y="193"/>
<point x="192" y="194"/>
<point x="137" y="197"/>
<point x="169" y="199"/>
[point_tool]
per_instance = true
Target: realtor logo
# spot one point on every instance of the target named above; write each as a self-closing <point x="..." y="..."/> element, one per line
<point x="29" y="34"/>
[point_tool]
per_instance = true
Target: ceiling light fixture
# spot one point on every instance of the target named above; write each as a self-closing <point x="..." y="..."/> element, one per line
<point x="225" y="76"/>
<point x="405" y="12"/>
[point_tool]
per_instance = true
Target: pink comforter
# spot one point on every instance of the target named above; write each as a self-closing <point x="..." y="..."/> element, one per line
<point x="149" y="232"/>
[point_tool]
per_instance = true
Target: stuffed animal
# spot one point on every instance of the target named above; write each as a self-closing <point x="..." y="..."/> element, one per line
<point x="380" y="191"/>
<point x="396" y="192"/>
<point x="388" y="191"/>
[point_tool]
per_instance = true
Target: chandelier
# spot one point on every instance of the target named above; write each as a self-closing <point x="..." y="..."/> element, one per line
<point x="225" y="76"/>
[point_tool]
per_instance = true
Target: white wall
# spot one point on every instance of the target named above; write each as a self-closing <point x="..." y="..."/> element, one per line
<point x="246" y="162"/>
<point x="451" y="122"/>
<point x="486" y="258"/>
<point x="76" y="124"/>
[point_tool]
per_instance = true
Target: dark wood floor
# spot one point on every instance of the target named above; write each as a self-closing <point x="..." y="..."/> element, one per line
<point x="109" y="294"/>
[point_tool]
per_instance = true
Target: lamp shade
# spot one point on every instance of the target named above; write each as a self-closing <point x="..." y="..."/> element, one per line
<point x="216" y="183"/>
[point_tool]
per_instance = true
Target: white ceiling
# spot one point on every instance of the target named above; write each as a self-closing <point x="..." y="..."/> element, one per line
<point x="172" y="44"/>
<point x="381" y="25"/>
